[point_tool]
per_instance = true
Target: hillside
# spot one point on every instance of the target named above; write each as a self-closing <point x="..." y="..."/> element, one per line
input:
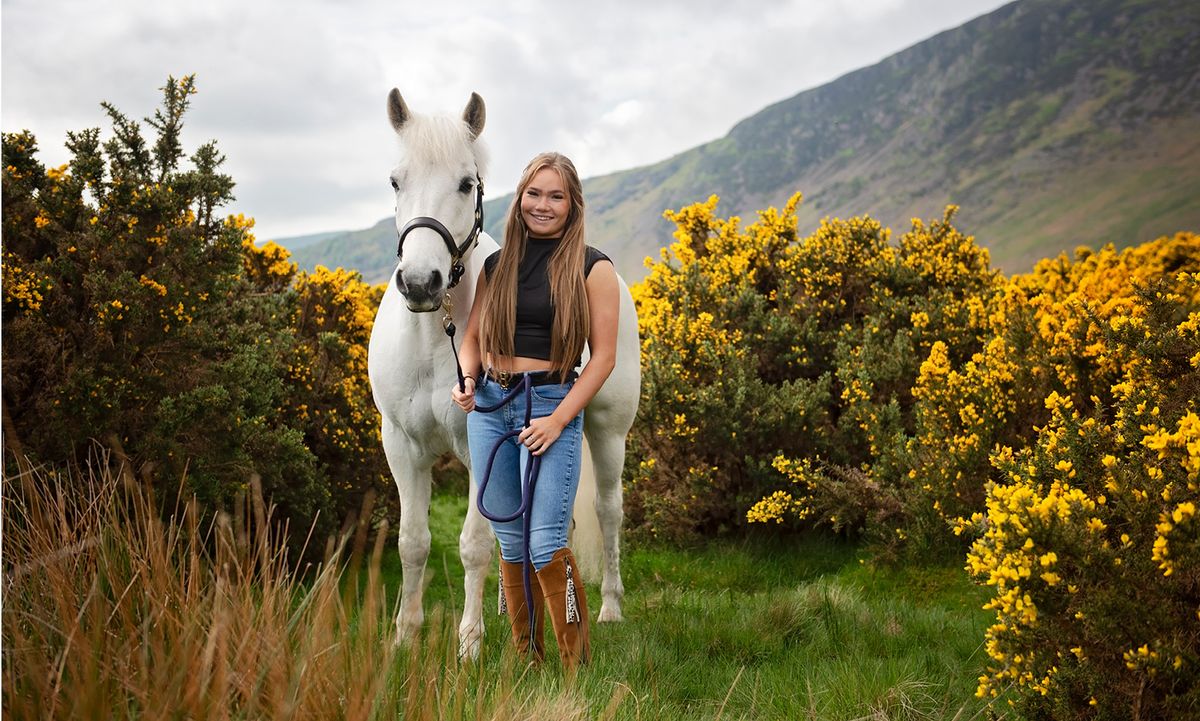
<point x="303" y="241"/>
<point x="1052" y="123"/>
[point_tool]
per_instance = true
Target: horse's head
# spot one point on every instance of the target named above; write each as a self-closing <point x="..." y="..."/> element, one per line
<point x="439" y="198"/>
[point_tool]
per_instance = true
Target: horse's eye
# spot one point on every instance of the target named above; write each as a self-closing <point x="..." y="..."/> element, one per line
<point x="465" y="186"/>
<point x="395" y="185"/>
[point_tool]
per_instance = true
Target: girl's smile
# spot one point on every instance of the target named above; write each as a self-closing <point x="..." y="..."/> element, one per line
<point x="545" y="206"/>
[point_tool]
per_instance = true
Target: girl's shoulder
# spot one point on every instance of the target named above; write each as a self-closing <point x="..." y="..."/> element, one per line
<point x="489" y="263"/>
<point x="591" y="257"/>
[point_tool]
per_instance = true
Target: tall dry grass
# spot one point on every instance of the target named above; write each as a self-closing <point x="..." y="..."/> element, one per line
<point x="113" y="610"/>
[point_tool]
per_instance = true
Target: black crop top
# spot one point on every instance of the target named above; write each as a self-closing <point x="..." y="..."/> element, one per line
<point x="535" y="312"/>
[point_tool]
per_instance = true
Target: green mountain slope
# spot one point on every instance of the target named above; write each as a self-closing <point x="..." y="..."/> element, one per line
<point x="1052" y="123"/>
<point x="303" y="241"/>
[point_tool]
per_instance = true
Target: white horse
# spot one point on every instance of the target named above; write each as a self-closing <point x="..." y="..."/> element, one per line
<point x="411" y="366"/>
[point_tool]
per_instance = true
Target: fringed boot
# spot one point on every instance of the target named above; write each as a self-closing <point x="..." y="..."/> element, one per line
<point x="512" y="602"/>
<point x="566" y="602"/>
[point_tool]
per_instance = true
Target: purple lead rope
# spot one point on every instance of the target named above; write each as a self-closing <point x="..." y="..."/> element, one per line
<point x="528" y="481"/>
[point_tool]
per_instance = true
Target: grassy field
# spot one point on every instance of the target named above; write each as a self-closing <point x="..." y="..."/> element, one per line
<point x="111" y="613"/>
<point x="796" y="628"/>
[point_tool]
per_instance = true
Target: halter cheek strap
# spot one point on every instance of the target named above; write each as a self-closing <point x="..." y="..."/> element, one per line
<point x="457" y="251"/>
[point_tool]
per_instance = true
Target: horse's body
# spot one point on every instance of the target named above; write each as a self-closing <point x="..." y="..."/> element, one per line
<point x="412" y="367"/>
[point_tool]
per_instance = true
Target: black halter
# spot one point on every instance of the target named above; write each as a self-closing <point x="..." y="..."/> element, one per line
<point x="456" y="251"/>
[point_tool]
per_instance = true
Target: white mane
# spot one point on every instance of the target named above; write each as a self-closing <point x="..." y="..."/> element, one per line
<point x="438" y="140"/>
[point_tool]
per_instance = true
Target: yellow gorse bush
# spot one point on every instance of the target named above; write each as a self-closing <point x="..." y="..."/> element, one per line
<point x="1047" y="422"/>
<point x="1093" y="525"/>
<point x="333" y="317"/>
<point x="770" y="344"/>
<point x="701" y="310"/>
<point x="330" y="315"/>
<point x="1086" y="398"/>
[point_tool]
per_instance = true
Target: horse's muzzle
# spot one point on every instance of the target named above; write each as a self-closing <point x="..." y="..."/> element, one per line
<point x="428" y="307"/>
<point x="422" y="297"/>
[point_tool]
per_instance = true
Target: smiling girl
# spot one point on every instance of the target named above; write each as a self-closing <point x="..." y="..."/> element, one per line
<point x="539" y="300"/>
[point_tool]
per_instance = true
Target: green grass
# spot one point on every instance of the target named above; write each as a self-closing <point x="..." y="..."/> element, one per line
<point x="763" y="628"/>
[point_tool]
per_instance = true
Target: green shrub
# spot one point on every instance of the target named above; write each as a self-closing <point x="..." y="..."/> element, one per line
<point x="137" y="316"/>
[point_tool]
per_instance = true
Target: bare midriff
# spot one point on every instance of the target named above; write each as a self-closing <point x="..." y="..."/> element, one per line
<point x="518" y="364"/>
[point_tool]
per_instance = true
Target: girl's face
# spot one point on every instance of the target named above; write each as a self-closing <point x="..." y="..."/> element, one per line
<point x="545" y="205"/>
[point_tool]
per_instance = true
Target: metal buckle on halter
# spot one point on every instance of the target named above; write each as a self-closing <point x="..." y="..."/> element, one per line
<point x="448" y="314"/>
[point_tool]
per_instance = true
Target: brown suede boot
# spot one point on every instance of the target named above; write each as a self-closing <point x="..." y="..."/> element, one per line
<point x="512" y="602"/>
<point x="566" y="603"/>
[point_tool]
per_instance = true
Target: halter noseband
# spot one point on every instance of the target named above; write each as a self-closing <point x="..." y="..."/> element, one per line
<point x="456" y="251"/>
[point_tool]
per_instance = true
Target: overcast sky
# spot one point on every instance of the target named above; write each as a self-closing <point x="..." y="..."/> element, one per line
<point x="294" y="92"/>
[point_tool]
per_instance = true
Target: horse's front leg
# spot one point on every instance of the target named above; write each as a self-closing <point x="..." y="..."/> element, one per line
<point x="608" y="460"/>
<point x="414" y="483"/>
<point x="475" y="548"/>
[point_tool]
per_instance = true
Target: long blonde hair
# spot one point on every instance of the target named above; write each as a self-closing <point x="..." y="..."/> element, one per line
<point x="497" y="321"/>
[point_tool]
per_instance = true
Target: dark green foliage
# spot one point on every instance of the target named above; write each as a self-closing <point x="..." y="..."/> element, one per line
<point x="129" y="320"/>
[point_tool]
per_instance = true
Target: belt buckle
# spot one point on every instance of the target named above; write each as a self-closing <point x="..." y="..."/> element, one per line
<point x="503" y="378"/>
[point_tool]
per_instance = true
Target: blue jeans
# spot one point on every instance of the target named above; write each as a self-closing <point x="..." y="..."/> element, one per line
<point x="558" y="477"/>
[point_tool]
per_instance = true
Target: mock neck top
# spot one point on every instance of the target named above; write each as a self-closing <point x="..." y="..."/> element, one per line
<point x="535" y="311"/>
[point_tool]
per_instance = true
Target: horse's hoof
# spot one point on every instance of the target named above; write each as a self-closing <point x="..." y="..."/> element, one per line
<point x="406" y="633"/>
<point x="468" y="649"/>
<point x="469" y="637"/>
<point x="469" y="642"/>
<point x="610" y="614"/>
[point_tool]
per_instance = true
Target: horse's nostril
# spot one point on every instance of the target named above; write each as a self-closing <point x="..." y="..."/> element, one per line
<point x="435" y="279"/>
<point x="400" y="281"/>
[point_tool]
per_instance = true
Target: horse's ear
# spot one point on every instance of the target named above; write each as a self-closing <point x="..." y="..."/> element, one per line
<point x="398" y="112"/>
<point x="474" y="115"/>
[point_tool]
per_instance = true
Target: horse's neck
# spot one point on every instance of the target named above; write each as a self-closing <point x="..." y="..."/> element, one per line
<point x="463" y="295"/>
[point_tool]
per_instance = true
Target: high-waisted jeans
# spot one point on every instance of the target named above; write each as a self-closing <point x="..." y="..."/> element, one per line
<point x="558" y="477"/>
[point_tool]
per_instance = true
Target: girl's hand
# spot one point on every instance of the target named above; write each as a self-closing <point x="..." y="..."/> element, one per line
<point x="541" y="434"/>
<point x="465" y="400"/>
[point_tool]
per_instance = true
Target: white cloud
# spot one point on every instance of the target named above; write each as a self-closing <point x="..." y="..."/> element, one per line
<point x="625" y="113"/>
<point x="294" y="91"/>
